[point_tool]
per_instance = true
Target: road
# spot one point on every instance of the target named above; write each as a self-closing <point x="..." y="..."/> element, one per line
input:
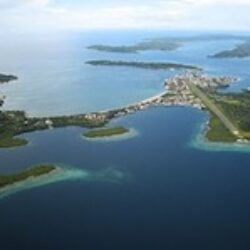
<point x="213" y="108"/>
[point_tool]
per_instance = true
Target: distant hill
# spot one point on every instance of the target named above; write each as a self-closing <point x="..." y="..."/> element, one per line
<point x="154" y="44"/>
<point x="240" y="51"/>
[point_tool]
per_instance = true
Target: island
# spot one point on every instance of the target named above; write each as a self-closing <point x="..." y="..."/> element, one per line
<point x="229" y="113"/>
<point x="143" y="65"/>
<point x="35" y="171"/>
<point x="240" y="51"/>
<point x="164" y="43"/>
<point x="153" y="44"/>
<point x="106" y="132"/>
<point x="7" y="78"/>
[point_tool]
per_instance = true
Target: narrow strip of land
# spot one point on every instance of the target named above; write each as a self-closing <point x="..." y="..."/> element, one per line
<point x="213" y="108"/>
<point x="229" y="121"/>
<point x="35" y="171"/>
<point x="143" y="65"/>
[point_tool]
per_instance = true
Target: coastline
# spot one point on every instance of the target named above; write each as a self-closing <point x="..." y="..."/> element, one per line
<point x="200" y="142"/>
<point x="178" y="91"/>
<point x="57" y="175"/>
<point x="60" y="174"/>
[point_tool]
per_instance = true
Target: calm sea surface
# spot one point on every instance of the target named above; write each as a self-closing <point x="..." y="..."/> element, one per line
<point x="54" y="79"/>
<point x="150" y="191"/>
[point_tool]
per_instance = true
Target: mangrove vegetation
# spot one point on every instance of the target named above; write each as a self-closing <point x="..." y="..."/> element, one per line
<point x="106" y="132"/>
<point x="34" y="171"/>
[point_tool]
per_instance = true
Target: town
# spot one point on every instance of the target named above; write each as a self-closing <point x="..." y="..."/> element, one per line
<point x="177" y="92"/>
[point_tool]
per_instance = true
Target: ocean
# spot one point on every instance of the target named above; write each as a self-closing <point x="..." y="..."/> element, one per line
<point x="158" y="189"/>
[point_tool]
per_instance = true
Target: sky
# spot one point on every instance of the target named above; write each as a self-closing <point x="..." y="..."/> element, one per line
<point x="21" y="15"/>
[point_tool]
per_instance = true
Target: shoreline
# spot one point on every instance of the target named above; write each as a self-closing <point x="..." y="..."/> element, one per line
<point x="57" y="175"/>
<point x="200" y="142"/>
<point x="177" y="92"/>
<point x="60" y="174"/>
<point x="30" y="172"/>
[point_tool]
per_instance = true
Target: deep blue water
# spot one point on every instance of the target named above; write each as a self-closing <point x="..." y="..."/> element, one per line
<point x="152" y="191"/>
<point x="170" y="197"/>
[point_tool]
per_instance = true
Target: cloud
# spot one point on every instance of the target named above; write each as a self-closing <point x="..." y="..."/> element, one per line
<point x="37" y="2"/>
<point x="162" y="14"/>
<point x="14" y="4"/>
<point x="214" y="2"/>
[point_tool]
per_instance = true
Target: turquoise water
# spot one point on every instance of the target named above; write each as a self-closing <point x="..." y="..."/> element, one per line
<point x="54" y="80"/>
<point x="159" y="188"/>
<point x="58" y="175"/>
<point x="200" y="142"/>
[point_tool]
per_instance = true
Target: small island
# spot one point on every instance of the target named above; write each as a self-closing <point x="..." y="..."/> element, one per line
<point x="160" y="44"/>
<point x="106" y="132"/>
<point x="240" y="51"/>
<point x="7" y="78"/>
<point x="143" y="65"/>
<point x="35" y="171"/>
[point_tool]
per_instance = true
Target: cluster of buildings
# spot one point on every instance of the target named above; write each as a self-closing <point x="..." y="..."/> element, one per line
<point x="201" y="80"/>
<point x="179" y="93"/>
<point x="95" y="116"/>
<point x="214" y="82"/>
<point x="155" y="100"/>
